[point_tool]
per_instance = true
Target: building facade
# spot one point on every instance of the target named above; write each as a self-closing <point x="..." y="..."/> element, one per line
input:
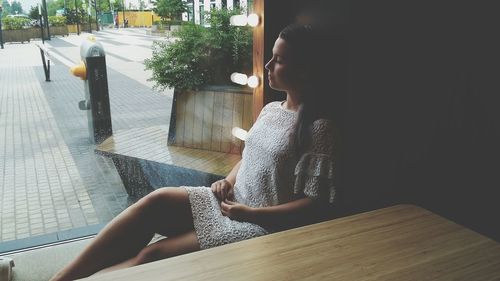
<point x="197" y="9"/>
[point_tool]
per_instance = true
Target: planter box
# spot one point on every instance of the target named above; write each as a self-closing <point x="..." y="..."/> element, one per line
<point x="83" y="28"/>
<point x="59" y="30"/>
<point x="18" y="35"/>
<point x="25" y="35"/>
<point x="204" y="119"/>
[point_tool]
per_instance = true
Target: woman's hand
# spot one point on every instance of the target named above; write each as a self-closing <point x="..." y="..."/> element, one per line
<point x="223" y="189"/>
<point x="237" y="211"/>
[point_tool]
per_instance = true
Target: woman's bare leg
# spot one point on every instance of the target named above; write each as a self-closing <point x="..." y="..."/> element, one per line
<point x="162" y="249"/>
<point x="166" y="211"/>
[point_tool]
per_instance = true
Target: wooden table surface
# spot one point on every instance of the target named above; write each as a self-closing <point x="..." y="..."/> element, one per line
<point x="402" y="242"/>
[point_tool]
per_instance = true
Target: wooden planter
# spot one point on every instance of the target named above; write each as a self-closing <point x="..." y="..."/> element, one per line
<point x="25" y="35"/>
<point x="204" y="119"/>
<point x="18" y="35"/>
<point x="59" y="30"/>
<point x="83" y="28"/>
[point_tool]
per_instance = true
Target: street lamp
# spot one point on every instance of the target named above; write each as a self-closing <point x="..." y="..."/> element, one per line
<point x="1" y="35"/>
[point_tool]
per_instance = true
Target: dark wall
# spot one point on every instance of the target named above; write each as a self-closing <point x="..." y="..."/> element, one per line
<point x="422" y="123"/>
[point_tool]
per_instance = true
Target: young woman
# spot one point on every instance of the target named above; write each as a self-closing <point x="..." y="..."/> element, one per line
<point x="285" y="178"/>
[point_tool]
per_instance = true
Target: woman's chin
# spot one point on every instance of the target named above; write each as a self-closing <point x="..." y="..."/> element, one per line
<point x="273" y="86"/>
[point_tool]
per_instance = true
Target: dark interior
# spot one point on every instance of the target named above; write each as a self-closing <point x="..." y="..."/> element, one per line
<point x="421" y="120"/>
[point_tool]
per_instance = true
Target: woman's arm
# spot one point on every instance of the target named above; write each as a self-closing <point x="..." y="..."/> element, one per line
<point x="231" y="177"/>
<point x="223" y="189"/>
<point x="292" y="214"/>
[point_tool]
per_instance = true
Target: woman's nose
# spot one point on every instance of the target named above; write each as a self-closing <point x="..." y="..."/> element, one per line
<point x="268" y="65"/>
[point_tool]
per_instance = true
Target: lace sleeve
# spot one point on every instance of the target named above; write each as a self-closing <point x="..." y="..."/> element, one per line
<point x="315" y="171"/>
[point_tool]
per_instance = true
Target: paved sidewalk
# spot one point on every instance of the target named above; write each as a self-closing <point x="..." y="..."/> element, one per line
<point x="50" y="178"/>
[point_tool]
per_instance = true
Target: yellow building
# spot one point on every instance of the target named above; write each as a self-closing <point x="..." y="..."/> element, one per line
<point x="138" y="18"/>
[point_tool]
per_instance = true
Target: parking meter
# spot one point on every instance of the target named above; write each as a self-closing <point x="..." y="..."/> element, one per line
<point x="92" y="70"/>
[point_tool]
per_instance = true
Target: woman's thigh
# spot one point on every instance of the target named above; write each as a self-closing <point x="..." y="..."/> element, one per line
<point x="170" y="211"/>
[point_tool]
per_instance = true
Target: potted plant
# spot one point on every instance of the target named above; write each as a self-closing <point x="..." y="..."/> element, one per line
<point x="198" y="65"/>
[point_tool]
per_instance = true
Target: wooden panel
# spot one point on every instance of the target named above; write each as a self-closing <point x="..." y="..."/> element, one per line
<point x="258" y="58"/>
<point x="238" y="111"/>
<point x="227" y="122"/>
<point x="247" y="116"/>
<point x="208" y="117"/>
<point x="189" y="121"/>
<point x="198" y="119"/>
<point x="217" y="121"/>
<point x="247" y="113"/>
<point x="403" y="242"/>
<point x="180" y="118"/>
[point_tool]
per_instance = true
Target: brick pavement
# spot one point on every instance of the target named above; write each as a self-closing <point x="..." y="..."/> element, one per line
<point x="50" y="178"/>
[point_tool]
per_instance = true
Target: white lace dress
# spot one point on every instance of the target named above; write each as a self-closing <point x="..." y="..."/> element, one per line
<point x="269" y="175"/>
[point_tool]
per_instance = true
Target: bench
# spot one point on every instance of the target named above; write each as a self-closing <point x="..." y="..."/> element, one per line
<point x="145" y="161"/>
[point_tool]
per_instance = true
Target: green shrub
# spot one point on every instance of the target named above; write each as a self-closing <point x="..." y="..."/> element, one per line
<point x="202" y="56"/>
<point x="182" y="64"/>
<point x="57" y="20"/>
<point x="12" y="23"/>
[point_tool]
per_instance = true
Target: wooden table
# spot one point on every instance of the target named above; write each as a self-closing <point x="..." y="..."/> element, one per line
<point x="402" y="242"/>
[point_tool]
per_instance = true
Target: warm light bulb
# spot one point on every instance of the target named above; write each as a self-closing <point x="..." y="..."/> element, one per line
<point x="239" y="78"/>
<point x="253" y="81"/>
<point x="253" y="20"/>
<point x="239" y="133"/>
<point x="238" y="20"/>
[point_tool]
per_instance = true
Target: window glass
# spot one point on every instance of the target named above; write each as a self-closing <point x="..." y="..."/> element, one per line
<point x="74" y="152"/>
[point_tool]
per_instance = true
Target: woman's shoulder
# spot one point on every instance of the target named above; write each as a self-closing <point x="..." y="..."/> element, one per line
<point x="272" y="107"/>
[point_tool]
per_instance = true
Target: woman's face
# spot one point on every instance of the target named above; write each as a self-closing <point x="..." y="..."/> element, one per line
<point x="283" y="75"/>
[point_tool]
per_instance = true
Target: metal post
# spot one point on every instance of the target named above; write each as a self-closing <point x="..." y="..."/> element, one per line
<point x="90" y="17"/>
<point x="41" y="23"/>
<point x="96" y="19"/>
<point x="46" y="18"/>
<point x="77" y="21"/>
<point x="123" y="13"/>
<point x="1" y="35"/>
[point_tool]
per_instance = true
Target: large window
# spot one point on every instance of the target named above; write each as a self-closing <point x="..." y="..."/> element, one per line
<point x="56" y="181"/>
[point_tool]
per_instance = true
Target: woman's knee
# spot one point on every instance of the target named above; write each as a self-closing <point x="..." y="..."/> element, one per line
<point x="150" y="254"/>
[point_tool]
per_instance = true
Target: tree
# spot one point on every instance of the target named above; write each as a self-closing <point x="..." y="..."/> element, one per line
<point x="34" y="13"/>
<point x="16" y="7"/>
<point x="104" y="6"/>
<point x="53" y="6"/>
<point x="117" y="5"/>
<point x="170" y="9"/>
<point x="6" y="8"/>
<point x="142" y="5"/>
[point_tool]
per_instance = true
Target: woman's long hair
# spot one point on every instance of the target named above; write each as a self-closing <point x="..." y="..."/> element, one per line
<point x="321" y="54"/>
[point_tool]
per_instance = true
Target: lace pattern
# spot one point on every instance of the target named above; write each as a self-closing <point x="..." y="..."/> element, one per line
<point x="269" y="175"/>
<point x="314" y="176"/>
<point x="211" y="227"/>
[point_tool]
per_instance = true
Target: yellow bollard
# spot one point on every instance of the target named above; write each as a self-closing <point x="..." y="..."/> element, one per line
<point x="79" y="71"/>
